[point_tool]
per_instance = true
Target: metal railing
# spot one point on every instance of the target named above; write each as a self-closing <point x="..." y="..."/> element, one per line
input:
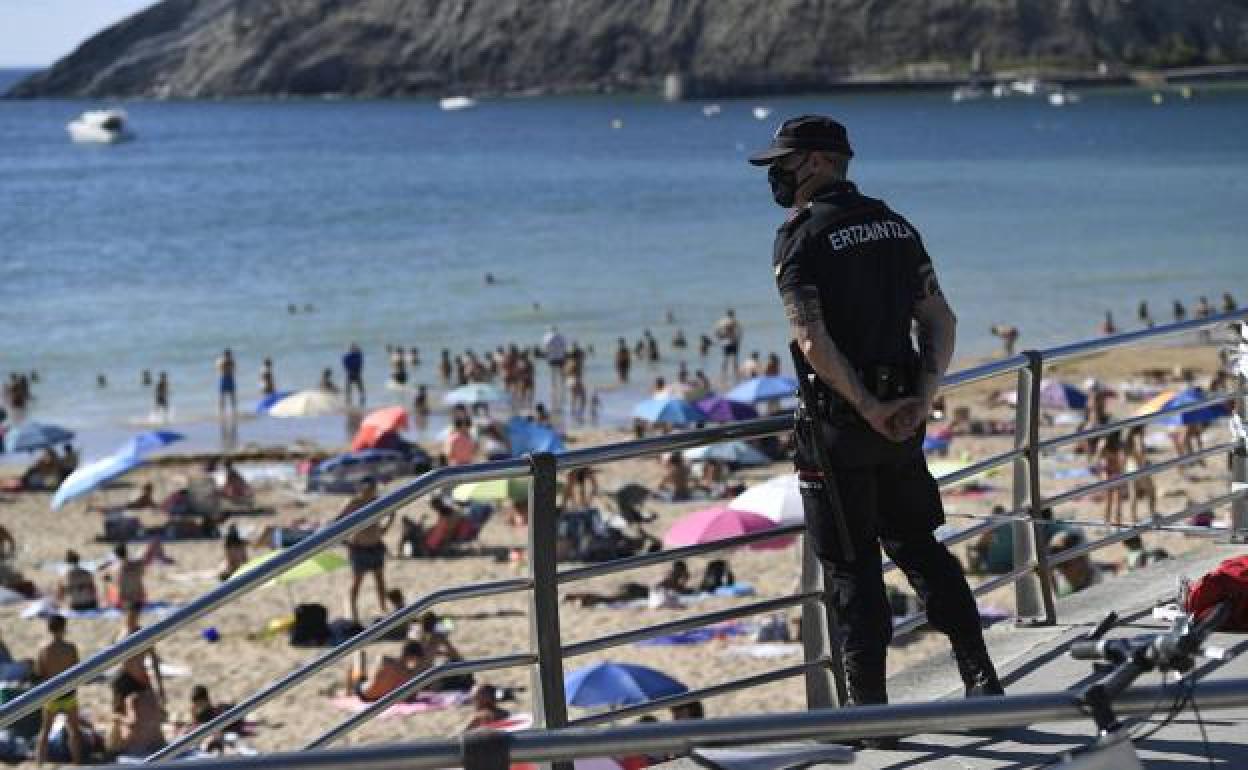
<point x="1031" y="574"/>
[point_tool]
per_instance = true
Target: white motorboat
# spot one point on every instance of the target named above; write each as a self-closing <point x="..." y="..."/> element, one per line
<point x="1026" y="86"/>
<point x="1000" y="90"/>
<point x="453" y="103"/>
<point x="100" y="127"/>
<point x="711" y="110"/>
<point x="968" y="92"/>
<point x="1060" y="98"/>
<point x="762" y="113"/>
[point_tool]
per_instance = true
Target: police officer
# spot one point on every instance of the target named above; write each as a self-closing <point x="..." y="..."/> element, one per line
<point x="854" y="277"/>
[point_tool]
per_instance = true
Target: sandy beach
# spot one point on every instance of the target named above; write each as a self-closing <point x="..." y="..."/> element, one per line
<point x="243" y="658"/>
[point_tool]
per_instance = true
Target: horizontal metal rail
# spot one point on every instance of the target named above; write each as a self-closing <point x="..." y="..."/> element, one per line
<point x="983" y="466"/>
<point x="911" y="622"/>
<point x="1127" y="339"/>
<point x="1126" y="478"/>
<point x="704" y="693"/>
<point x="1161" y="521"/>
<point x="985" y="371"/>
<point x="685" y="624"/>
<point x="428" y="676"/>
<point x="372" y="633"/>
<point x="629" y="563"/>
<point x="1130" y="422"/>
<point x="830" y="725"/>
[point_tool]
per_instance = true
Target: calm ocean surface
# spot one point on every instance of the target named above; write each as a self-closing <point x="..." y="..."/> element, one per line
<point x="384" y="216"/>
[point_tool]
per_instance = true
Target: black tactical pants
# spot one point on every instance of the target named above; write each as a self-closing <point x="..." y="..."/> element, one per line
<point x="887" y="497"/>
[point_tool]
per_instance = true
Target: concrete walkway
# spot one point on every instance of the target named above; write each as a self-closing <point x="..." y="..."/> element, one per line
<point x="1035" y="660"/>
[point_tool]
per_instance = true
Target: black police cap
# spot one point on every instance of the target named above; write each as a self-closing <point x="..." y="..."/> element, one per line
<point x="807" y="132"/>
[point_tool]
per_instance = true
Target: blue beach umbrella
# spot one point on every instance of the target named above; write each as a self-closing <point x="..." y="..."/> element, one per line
<point x="94" y="475"/>
<point x="30" y="436"/>
<point x="763" y="389"/>
<point x="147" y="442"/>
<point x="734" y="452"/>
<point x="264" y="404"/>
<point x="525" y="436"/>
<point x="618" y="684"/>
<point x="672" y="411"/>
<point x="1201" y="416"/>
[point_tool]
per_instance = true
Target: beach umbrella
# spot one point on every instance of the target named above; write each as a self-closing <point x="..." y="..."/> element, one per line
<point x="31" y="436"/>
<point x="475" y="393"/>
<point x="1202" y="416"/>
<point x="732" y="452"/>
<point x="307" y="403"/>
<point x="1060" y="395"/>
<point x="720" y="409"/>
<point x="618" y="684"/>
<point x="720" y="523"/>
<point x="322" y="563"/>
<point x="526" y="436"/>
<point x="391" y="419"/>
<point x="672" y="411"/>
<point x="759" y="389"/>
<point x="778" y="499"/>
<point x="91" y="476"/>
<point x="492" y="491"/>
<point x="149" y="441"/>
<point x="262" y="406"/>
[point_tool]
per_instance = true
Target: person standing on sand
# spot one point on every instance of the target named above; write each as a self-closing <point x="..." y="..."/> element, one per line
<point x="160" y="396"/>
<point x="226" y="386"/>
<point x="1180" y="312"/>
<point x="353" y="365"/>
<point x="366" y="549"/>
<point x="54" y="658"/>
<point x="1229" y="305"/>
<point x="1142" y="314"/>
<point x="855" y="280"/>
<point x="728" y="331"/>
<point x="1108" y="328"/>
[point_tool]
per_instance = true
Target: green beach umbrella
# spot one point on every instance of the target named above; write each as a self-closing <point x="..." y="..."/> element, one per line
<point x="491" y="491"/>
<point x="322" y="563"/>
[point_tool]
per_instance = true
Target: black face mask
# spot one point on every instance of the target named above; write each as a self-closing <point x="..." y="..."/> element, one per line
<point x="784" y="183"/>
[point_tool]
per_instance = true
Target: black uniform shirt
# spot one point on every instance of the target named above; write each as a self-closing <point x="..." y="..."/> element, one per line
<point x="866" y="261"/>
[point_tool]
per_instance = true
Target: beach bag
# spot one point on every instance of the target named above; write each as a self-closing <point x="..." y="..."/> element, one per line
<point x="1226" y="582"/>
<point x="311" y="628"/>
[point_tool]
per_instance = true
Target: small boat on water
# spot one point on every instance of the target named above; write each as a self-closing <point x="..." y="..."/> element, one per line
<point x="1000" y="90"/>
<point x="761" y="113"/>
<point x="711" y="110"/>
<point x="1060" y="98"/>
<point x="968" y="92"/>
<point x="100" y="127"/>
<point x="453" y="103"/>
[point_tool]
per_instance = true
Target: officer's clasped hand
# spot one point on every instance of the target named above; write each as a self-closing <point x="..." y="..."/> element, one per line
<point x="894" y="420"/>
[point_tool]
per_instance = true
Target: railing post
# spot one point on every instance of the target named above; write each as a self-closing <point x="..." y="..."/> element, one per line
<point x="820" y="636"/>
<point x="1239" y="456"/>
<point x="550" y="708"/>
<point x="1032" y="592"/>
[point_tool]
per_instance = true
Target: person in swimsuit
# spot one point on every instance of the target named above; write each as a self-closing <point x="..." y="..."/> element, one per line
<point x="161" y="396"/>
<point x="55" y="657"/>
<point x="366" y="550"/>
<point x="268" y="384"/>
<point x="77" y="587"/>
<point x="126" y="575"/>
<point x="226" y="387"/>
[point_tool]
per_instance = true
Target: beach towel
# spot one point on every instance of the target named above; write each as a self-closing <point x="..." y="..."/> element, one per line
<point x="44" y="608"/>
<point x="9" y="596"/>
<point x="680" y="601"/>
<point x="420" y="703"/>
<point x="696" y="635"/>
<point x="763" y="649"/>
<point x="971" y="489"/>
<point x="1073" y="473"/>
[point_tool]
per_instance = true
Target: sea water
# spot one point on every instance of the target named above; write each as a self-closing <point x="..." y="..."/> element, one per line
<point x="378" y="221"/>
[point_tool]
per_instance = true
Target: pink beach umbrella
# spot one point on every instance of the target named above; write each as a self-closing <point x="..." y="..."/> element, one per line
<point x="718" y="523"/>
<point x="778" y="499"/>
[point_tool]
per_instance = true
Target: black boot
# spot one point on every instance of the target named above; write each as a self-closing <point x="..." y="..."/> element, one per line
<point x="868" y="689"/>
<point x="978" y="673"/>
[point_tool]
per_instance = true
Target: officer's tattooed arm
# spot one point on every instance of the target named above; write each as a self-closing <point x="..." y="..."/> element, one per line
<point x="805" y="313"/>
<point x="937" y="332"/>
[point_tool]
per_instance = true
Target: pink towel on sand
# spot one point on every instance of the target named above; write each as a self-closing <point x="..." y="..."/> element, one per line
<point x="425" y="701"/>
